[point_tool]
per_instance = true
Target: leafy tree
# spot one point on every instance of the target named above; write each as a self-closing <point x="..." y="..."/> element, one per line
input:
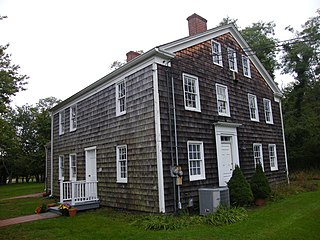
<point x="301" y="105"/>
<point x="263" y="44"/>
<point x="11" y="81"/>
<point x="260" y="37"/>
<point x="9" y="149"/>
<point x="228" y="20"/>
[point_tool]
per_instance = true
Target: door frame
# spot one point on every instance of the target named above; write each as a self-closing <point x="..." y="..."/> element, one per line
<point x="228" y="130"/>
<point x="95" y="161"/>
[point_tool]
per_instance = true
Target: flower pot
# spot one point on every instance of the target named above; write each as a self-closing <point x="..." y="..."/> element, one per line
<point x="64" y="212"/>
<point x="72" y="212"/>
<point x="260" y="202"/>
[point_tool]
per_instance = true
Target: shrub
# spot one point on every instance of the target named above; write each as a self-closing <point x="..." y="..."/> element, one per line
<point x="239" y="189"/>
<point x="224" y="216"/>
<point x="259" y="184"/>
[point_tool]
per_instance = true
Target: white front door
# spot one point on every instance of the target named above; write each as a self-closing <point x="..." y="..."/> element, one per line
<point x="227" y="150"/>
<point x="226" y="159"/>
<point x="91" y="165"/>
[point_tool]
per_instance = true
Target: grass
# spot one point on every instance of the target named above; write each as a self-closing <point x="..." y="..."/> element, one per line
<point x="295" y="217"/>
<point x="19" y="189"/>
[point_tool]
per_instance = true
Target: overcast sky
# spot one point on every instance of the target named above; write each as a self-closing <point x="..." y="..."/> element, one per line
<point x="65" y="45"/>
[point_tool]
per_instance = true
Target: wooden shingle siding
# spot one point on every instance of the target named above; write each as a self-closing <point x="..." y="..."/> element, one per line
<point x="198" y="126"/>
<point x="97" y="125"/>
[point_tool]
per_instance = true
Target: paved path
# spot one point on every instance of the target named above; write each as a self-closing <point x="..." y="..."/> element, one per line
<point x="28" y="218"/>
<point x="24" y="196"/>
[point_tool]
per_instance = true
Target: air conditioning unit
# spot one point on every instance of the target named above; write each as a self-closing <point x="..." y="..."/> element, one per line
<point x="211" y="198"/>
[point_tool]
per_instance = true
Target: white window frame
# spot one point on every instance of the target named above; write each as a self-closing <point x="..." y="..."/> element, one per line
<point x="273" y="157"/>
<point x="253" y="110"/>
<point x="221" y="99"/>
<point x="73" y="118"/>
<point x="187" y="92"/>
<point x="73" y="167"/>
<point x="121" y="98"/>
<point x="122" y="175"/>
<point x="62" y="121"/>
<point x="202" y="174"/>
<point x="268" y="111"/>
<point x="216" y="53"/>
<point x="258" y="154"/>
<point x="232" y="59"/>
<point x="61" y="167"/>
<point x="246" y="66"/>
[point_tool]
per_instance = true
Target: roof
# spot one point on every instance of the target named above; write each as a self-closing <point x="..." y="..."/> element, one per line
<point x="167" y="51"/>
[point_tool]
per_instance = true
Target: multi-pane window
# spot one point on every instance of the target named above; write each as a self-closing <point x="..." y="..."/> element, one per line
<point x="273" y="157"/>
<point x="73" y="118"/>
<point x="216" y="53"/>
<point x="121" y="98"/>
<point x="222" y="100"/>
<point x="232" y="57"/>
<point x="246" y="66"/>
<point x="61" y="122"/>
<point x="61" y="167"/>
<point x="73" y="167"/>
<point x="257" y="154"/>
<point x="122" y="164"/>
<point x="196" y="160"/>
<point x="253" y="107"/>
<point x="191" y="92"/>
<point x="268" y="111"/>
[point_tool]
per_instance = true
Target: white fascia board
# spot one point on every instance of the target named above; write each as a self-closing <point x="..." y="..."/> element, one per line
<point x="154" y="55"/>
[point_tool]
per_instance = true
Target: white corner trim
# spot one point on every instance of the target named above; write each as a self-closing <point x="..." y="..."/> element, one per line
<point x="51" y="156"/>
<point x="284" y="142"/>
<point x="162" y="208"/>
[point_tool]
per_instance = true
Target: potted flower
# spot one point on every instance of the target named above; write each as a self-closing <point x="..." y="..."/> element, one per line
<point x="41" y="209"/>
<point x="67" y="210"/>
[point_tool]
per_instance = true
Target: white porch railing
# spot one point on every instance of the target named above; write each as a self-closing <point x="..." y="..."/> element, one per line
<point x="78" y="191"/>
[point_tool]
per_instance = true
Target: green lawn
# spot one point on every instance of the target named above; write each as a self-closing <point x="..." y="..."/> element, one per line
<point x="295" y="217"/>
<point x="18" y="189"/>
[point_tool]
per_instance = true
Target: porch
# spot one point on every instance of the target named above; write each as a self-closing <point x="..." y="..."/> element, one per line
<point x="80" y="194"/>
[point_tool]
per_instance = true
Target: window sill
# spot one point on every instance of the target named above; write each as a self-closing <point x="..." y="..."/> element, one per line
<point x="122" y="181"/>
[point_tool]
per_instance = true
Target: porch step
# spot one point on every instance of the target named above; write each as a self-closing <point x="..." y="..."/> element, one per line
<point x="80" y="206"/>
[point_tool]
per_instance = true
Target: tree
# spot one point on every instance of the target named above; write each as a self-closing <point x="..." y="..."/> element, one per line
<point x="11" y="81"/>
<point x="263" y="44"/>
<point x="240" y="191"/>
<point x="301" y="105"/>
<point x="260" y="37"/>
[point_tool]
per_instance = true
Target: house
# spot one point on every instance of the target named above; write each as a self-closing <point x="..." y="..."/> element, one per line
<point x="175" y="119"/>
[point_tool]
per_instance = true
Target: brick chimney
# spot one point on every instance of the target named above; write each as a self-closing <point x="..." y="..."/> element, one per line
<point x="196" y="24"/>
<point x="131" y="55"/>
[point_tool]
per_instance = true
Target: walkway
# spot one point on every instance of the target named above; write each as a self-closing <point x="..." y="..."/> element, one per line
<point x="24" y="196"/>
<point x="29" y="218"/>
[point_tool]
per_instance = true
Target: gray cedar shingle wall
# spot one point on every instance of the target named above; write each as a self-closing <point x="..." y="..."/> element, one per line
<point x="98" y="126"/>
<point x="197" y="60"/>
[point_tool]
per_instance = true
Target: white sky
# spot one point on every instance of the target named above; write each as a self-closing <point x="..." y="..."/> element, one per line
<point x="65" y="45"/>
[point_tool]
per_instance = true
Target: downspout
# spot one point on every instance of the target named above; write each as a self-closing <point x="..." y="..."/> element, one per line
<point x="170" y="139"/>
<point x="51" y="153"/>
<point x="175" y="136"/>
<point x="284" y="142"/>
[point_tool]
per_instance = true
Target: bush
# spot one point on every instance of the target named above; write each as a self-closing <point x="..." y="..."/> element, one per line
<point x="222" y="216"/>
<point x="239" y="189"/>
<point x="259" y="184"/>
<point x="225" y="216"/>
